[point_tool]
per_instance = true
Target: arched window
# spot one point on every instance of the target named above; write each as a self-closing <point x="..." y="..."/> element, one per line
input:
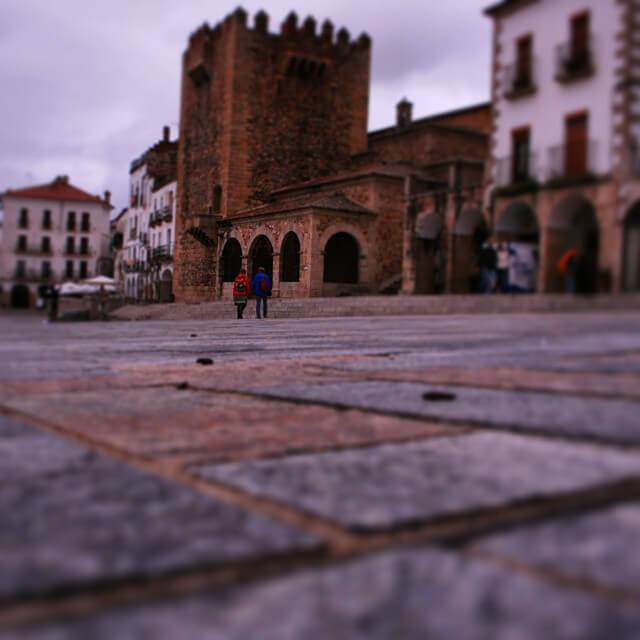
<point x="290" y="258"/>
<point x="341" y="259"/>
<point x="261" y="255"/>
<point x="217" y="198"/>
<point x="231" y="260"/>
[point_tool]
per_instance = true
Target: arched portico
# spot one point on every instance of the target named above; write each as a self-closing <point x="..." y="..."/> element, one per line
<point x="20" y="297"/>
<point x="341" y="257"/>
<point x="517" y="226"/>
<point x="429" y="254"/>
<point x="290" y="258"/>
<point x="261" y="255"/>
<point x="631" y="252"/>
<point x="572" y="225"/>
<point x="469" y="232"/>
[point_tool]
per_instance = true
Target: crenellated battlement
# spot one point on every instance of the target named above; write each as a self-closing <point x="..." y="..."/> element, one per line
<point x="291" y="32"/>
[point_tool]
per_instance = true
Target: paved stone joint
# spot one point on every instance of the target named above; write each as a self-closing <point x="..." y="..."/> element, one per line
<point x="402" y="477"/>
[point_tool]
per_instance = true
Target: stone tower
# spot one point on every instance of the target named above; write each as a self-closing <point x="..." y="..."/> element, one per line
<point x="260" y="111"/>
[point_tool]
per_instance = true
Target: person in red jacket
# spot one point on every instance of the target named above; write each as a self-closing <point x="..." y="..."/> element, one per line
<point x="241" y="292"/>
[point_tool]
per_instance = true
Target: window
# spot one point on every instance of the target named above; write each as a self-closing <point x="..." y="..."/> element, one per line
<point x="46" y="245"/>
<point x="83" y="269"/>
<point x="46" y="219"/>
<point x="45" y="269"/>
<point x="580" y="39"/>
<point x="71" y="221"/>
<point x="22" y="243"/>
<point x="169" y="238"/>
<point x="70" y="245"/>
<point x="68" y="269"/>
<point x="217" y="198"/>
<point x="84" y="246"/>
<point x="520" y="145"/>
<point x="20" y="269"/>
<point x="24" y="219"/>
<point x="576" y="145"/>
<point x="523" y="79"/>
<point x="85" y="224"/>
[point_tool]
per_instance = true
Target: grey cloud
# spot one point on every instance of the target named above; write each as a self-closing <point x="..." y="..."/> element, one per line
<point x="88" y="86"/>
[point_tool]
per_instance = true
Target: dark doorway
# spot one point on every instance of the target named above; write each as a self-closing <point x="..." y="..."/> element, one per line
<point x="261" y="255"/>
<point x="20" y="296"/>
<point x="290" y="258"/>
<point x="341" y="259"/>
<point x="470" y="232"/>
<point x="573" y="225"/>
<point x="165" y="286"/>
<point x="631" y="266"/>
<point x="231" y="260"/>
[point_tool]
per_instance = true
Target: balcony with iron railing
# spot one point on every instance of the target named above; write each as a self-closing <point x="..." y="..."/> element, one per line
<point x="519" y="80"/>
<point x="167" y="213"/>
<point x="28" y="275"/>
<point x="574" y="63"/>
<point x="163" y="253"/>
<point x="573" y="162"/>
<point x="32" y="251"/>
<point x="514" y="171"/>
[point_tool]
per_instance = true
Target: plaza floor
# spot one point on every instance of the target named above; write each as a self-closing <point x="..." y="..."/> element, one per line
<point x="447" y="476"/>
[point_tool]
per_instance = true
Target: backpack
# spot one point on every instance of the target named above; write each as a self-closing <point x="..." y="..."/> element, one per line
<point x="264" y="287"/>
<point x="240" y="288"/>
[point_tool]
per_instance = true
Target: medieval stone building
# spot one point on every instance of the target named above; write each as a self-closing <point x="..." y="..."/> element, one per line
<point x="276" y="169"/>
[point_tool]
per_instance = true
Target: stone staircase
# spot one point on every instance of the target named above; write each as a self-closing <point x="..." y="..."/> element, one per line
<point x="383" y="306"/>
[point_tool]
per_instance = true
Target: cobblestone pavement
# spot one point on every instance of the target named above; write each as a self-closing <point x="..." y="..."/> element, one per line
<point x="407" y="477"/>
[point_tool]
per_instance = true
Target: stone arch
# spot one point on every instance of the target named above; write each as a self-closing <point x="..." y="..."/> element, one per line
<point x="290" y="258"/>
<point x="341" y="259"/>
<point x="631" y="252"/>
<point x="165" y="286"/>
<point x="518" y="223"/>
<point x="429" y="253"/>
<point x="518" y="226"/>
<point x="573" y="224"/>
<point x="261" y="255"/>
<point x="20" y="297"/>
<point x="469" y="233"/>
<point x="230" y="260"/>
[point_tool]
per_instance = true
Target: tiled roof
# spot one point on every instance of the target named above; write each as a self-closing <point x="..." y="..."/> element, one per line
<point x="59" y="189"/>
<point x="498" y="6"/>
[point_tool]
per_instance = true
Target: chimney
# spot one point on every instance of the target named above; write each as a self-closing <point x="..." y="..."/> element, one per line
<point x="165" y="134"/>
<point x="107" y="196"/>
<point x="62" y="179"/>
<point x="403" y="113"/>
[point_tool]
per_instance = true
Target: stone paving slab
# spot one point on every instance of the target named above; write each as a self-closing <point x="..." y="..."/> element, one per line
<point x="402" y="595"/>
<point x="602" y="547"/>
<point x="518" y="379"/>
<point x="185" y="425"/>
<point x="71" y="517"/>
<point x="614" y="420"/>
<point x="399" y="484"/>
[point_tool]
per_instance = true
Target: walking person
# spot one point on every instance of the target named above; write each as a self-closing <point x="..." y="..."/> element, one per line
<point x="261" y="287"/>
<point x="487" y="263"/>
<point x="503" y="267"/>
<point x="241" y="292"/>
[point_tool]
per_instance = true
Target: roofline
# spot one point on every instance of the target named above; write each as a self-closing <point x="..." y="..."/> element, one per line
<point x="355" y="175"/>
<point x="498" y="7"/>
<point x="94" y="200"/>
<point x="438" y="116"/>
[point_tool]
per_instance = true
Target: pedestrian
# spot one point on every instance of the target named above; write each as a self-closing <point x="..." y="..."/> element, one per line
<point x="261" y="287"/>
<point x="53" y="303"/>
<point x="503" y="267"/>
<point x="103" y="298"/>
<point x="567" y="267"/>
<point x="241" y="292"/>
<point x="487" y="263"/>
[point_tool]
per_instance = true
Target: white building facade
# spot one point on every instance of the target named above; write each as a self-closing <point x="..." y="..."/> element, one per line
<point x="566" y="127"/>
<point x="149" y="224"/>
<point x="52" y="233"/>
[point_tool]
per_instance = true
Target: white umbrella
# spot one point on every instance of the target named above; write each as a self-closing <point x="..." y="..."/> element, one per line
<point x="100" y="281"/>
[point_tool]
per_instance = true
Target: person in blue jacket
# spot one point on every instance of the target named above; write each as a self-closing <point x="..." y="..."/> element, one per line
<point x="261" y="287"/>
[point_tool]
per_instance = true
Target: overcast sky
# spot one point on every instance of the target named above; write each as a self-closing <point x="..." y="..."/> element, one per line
<point x="87" y="86"/>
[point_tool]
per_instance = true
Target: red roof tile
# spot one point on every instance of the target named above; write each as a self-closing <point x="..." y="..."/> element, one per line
<point x="59" y="189"/>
